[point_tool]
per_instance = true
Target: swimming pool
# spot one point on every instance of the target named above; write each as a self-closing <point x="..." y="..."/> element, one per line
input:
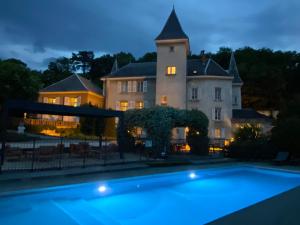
<point x="189" y="197"/>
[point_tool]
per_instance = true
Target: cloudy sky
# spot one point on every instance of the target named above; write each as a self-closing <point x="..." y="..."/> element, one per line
<point x="37" y="31"/>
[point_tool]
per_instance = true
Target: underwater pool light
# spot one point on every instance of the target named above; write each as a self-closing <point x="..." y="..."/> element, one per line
<point x="102" y="189"/>
<point x="192" y="175"/>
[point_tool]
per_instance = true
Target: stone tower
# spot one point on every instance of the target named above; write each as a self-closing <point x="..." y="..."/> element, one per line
<point x="172" y="50"/>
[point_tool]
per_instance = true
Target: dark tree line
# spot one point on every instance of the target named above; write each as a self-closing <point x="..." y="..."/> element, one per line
<point x="270" y="78"/>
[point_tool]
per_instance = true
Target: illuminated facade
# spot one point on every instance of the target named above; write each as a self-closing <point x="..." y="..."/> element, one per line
<point x="174" y="80"/>
<point x="71" y="91"/>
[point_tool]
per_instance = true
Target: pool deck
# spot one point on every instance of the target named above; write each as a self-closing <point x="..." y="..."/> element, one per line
<point x="282" y="209"/>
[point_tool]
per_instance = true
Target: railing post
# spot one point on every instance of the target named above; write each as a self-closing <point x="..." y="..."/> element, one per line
<point x="4" y="117"/>
<point x="33" y="154"/>
<point x="104" y="152"/>
<point x="60" y="152"/>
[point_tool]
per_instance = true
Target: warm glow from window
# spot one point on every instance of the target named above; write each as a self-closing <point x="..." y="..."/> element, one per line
<point x="171" y="70"/>
<point x="164" y="100"/>
<point x="139" y="105"/>
<point x="52" y="100"/>
<point x="74" y="102"/>
<point x="217" y="133"/>
<point x="123" y="105"/>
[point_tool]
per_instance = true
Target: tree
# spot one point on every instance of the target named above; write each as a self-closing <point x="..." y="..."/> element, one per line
<point x="100" y="67"/>
<point x="82" y="61"/>
<point x="148" y="57"/>
<point x="286" y="132"/>
<point x="150" y="119"/>
<point x="17" y="81"/>
<point x="197" y="122"/>
<point x="57" y="70"/>
<point x="124" y="58"/>
<point x="248" y="132"/>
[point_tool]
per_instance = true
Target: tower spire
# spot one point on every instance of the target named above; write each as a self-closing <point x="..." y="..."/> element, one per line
<point x="172" y="29"/>
<point x="115" y="66"/>
<point x="233" y="70"/>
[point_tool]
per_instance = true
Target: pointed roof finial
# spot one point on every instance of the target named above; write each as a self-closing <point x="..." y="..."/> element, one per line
<point x="172" y="29"/>
<point x="173" y="6"/>
<point x="233" y="70"/>
<point x="115" y="66"/>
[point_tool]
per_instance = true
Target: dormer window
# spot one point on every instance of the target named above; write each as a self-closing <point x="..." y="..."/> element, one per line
<point x="171" y="70"/>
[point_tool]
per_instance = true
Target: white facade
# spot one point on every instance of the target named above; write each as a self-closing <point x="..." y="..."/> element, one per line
<point x="178" y="82"/>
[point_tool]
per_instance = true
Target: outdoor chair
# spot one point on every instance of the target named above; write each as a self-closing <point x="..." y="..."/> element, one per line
<point x="281" y="158"/>
<point x="13" y="153"/>
<point x="46" y="153"/>
<point x="80" y="149"/>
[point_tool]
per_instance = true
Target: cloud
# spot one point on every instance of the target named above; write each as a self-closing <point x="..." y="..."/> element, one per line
<point x="35" y="30"/>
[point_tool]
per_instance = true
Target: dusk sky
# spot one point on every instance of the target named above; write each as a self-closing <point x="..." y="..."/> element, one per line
<point x="37" y="31"/>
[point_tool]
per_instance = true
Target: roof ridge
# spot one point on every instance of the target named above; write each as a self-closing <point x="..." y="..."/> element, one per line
<point x="207" y="64"/>
<point x="59" y="81"/>
<point x="79" y="78"/>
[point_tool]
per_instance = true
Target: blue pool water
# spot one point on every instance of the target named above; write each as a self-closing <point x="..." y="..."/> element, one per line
<point x="190" y="197"/>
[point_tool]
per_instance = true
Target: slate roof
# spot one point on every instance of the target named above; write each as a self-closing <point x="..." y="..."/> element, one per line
<point x="249" y="114"/>
<point x="172" y="29"/>
<point x="73" y="83"/>
<point x="233" y="70"/>
<point x="195" y="67"/>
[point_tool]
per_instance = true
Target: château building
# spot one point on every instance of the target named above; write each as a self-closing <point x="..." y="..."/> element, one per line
<point x="176" y="81"/>
<point x="172" y="80"/>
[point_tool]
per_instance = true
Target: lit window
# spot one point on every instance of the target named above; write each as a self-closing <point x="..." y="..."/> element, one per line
<point x="123" y="105"/>
<point x="164" y="100"/>
<point x="218" y="94"/>
<point x="171" y="70"/>
<point x="217" y="133"/>
<point x="139" y="104"/>
<point x="52" y="100"/>
<point x="194" y="93"/>
<point x="217" y="113"/>
<point x="73" y="101"/>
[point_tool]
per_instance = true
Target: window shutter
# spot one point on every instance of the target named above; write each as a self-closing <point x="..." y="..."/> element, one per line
<point x="222" y="132"/>
<point x="146" y="104"/>
<point x="78" y="100"/>
<point x="213" y="114"/>
<point x="145" y="86"/>
<point x="134" y="86"/>
<point x="223" y="93"/>
<point x="213" y="93"/>
<point x="45" y="100"/>
<point x="129" y="86"/>
<point x="131" y="104"/>
<point x="199" y="93"/>
<point x="119" y="84"/>
<point x="190" y="93"/>
<point x="117" y="105"/>
<point x="57" y="100"/>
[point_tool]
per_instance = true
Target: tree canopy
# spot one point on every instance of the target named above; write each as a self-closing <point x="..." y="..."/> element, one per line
<point x="158" y="122"/>
<point x="17" y="81"/>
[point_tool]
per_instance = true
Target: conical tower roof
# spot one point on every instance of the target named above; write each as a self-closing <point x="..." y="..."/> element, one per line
<point x="172" y="29"/>
<point x="115" y="66"/>
<point x="233" y="70"/>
